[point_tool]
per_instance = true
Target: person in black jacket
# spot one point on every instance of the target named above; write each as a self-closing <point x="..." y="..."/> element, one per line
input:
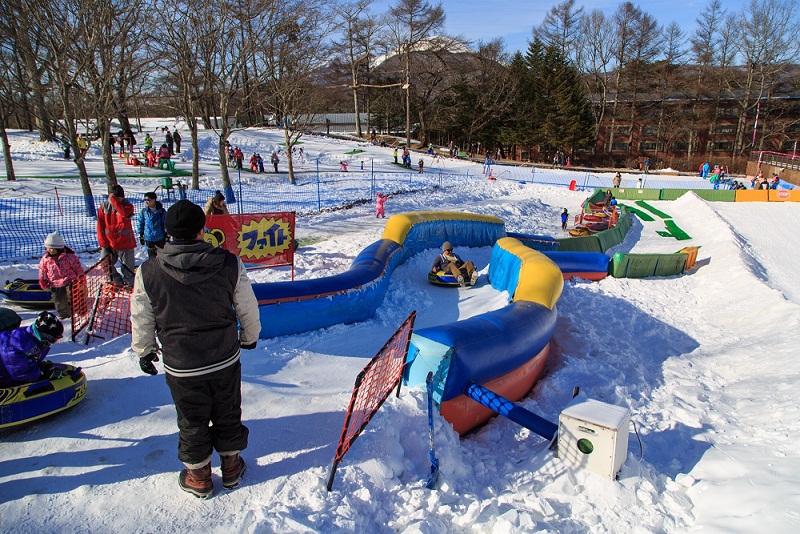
<point x="199" y="302"/>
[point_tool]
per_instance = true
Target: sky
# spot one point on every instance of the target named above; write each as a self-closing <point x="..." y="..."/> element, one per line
<point x="706" y="362"/>
<point x="513" y="20"/>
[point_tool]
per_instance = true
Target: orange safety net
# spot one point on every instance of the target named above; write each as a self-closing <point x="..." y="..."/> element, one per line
<point x="373" y="385"/>
<point x="100" y="305"/>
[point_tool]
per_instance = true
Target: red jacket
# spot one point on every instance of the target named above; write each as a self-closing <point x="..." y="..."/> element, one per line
<point x="114" y="228"/>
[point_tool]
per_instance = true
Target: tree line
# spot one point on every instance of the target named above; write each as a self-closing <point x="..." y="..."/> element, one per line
<point x="586" y="79"/>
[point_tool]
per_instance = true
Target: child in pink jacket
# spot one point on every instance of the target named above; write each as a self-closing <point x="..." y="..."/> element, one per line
<point x="379" y="202"/>
<point x="58" y="268"/>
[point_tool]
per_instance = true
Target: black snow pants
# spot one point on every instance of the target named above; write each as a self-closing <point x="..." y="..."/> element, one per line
<point x="209" y="413"/>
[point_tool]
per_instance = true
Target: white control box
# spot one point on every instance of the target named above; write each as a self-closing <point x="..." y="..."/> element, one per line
<point x="594" y="435"/>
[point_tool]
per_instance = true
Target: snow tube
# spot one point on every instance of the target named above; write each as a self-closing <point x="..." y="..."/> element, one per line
<point x="29" y="402"/>
<point x="444" y="279"/>
<point x="27" y="293"/>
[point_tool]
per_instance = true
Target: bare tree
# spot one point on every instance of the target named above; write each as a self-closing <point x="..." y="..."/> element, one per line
<point x="594" y="57"/>
<point x="414" y="23"/>
<point x="358" y="29"/>
<point x="19" y="36"/>
<point x="767" y="45"/>
<point x="223" y="55"/>
<point x="290" y="56"/>
<point x="182" y="44"/>
<point x="110" y="65"/>
<point x="60" y="27"/>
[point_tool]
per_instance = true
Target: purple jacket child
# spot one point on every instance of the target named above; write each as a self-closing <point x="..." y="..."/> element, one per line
<point x="22" y="350"/>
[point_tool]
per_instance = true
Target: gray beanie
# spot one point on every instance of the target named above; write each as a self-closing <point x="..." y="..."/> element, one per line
<point x="447" y="246"/>
<point x="54" y="241"/>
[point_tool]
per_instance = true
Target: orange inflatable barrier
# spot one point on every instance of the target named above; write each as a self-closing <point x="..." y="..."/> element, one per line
<point x="691" y="253"/>
<point x="784" y="195"/>
<point x="752" y="195"/>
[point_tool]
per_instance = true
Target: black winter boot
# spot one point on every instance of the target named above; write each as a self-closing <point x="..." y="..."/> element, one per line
<point x="232" y="470"/>
<point x="197" y="481"/>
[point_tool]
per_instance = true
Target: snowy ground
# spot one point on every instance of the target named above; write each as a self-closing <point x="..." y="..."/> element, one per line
<point x="705" y="361"/>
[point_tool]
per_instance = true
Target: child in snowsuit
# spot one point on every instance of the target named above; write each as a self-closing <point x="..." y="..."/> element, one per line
<point x="421" y="165"/>
<point x="260" y="162"/>
<point x="564" y="217"/>
<point x="58" y="268"/>
<point x="152" y="229"/>
<point x="22" y="351"/>
<point x="379" y="202"/>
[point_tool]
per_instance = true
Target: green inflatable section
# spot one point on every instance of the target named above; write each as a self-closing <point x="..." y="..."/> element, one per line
<point x="629" y="193"/>
<point x="675" y="231"/>
<point x="588" y="243"/>
<point x="655" y="211"/>
<point x="644" y="265"/>
<point x="643" y="215"/>
<point x="716" y="195"/>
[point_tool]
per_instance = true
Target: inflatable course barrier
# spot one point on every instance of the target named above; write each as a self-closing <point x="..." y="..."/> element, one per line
<point x="304" y="305"/>
<point x="504" y="350"/>
<point x="29" y="402"/>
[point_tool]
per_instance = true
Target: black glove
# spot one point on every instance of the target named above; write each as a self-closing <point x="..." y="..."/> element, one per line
<point x="45" y="366"/>
<point x="146" y="363"/>
<point x="248" y="346"/>
<point x="141" y="240"/>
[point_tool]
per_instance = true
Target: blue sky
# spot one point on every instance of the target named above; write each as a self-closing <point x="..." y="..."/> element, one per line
<point x="513" y="20"/>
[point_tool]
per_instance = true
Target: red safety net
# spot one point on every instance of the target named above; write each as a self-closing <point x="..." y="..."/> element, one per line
<point x="373" y="385"/>
<point x="100" y="305"/>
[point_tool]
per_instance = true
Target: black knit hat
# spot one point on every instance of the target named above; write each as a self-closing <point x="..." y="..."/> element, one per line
<point x="117" y="191"/>
<point x="185" y="219"/>
<point x="218" y="196"/>
<point x="48" y="326"/>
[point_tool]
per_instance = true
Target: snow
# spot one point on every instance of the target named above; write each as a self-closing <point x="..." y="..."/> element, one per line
<point x="705" y="362"/>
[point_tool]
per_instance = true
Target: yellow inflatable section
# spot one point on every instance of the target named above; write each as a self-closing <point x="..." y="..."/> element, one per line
<point x="540" y="279"/>
<point x="398" y="226"/>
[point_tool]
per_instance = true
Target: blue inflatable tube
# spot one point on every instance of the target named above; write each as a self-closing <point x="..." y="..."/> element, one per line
<point x="579" y="262"/>
<point x="305" y="305"/>
<point x="479" y="349"/>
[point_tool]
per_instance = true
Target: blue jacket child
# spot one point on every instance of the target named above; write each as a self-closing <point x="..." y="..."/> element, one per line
<point x="152" y="227"/>
<point x="22" y="351"/>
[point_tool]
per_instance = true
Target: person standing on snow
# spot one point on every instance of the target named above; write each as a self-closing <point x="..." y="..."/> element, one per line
<point x="176" y="137"/>
<point x="58" y="268"/>
<point x="152" y="229"/>
<point x="380" y="200"/>
<point x="115" y="234"/>
<point x="201" y="351"/>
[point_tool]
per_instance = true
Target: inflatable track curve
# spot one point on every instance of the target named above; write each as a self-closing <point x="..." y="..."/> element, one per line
<point x="504" y="350"/>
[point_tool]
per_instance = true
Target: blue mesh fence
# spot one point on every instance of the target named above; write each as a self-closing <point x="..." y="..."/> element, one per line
<point x="26" y="221"/>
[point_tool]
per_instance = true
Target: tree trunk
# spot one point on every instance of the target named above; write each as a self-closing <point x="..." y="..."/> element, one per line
<point x="10" y="176"/>
<point x="288" y="139"/>
<point x="104" y="128"/>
